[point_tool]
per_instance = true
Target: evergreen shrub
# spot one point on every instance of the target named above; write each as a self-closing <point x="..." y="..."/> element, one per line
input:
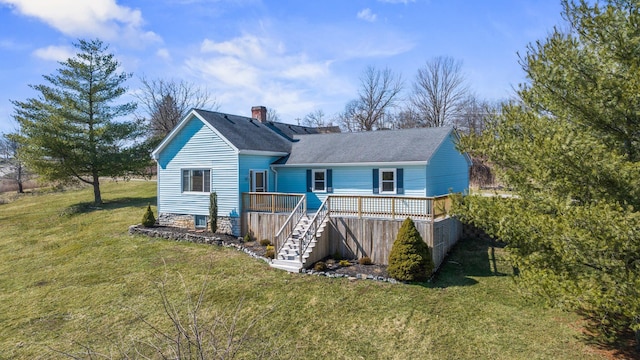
<point x="410" y="258"/>
<point x="148" y="220"/>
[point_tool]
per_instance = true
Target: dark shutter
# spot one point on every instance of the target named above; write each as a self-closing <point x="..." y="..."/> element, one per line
<point x="309" y="181"/>
<point x="251" y="187"/>
<point x="329" y="181"/>
<point x="376" y="182"/>
<point x="400" y="181"/>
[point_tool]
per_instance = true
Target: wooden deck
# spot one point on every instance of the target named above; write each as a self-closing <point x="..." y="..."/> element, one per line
<point x="359" y="226"/>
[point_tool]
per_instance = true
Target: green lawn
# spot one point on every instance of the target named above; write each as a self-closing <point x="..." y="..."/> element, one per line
<point x="72" y="277"/>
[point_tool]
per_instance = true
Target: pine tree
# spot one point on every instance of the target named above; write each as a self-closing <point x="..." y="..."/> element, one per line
<point x="213" y="211"/>
<point x="148" y="219"/>
<point x="410" y="258"/>
<point x="74" y="131"/>
<point x="570" y="150"/>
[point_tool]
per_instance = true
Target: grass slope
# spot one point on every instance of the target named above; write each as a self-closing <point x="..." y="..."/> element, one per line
<point x="71" y="276"/>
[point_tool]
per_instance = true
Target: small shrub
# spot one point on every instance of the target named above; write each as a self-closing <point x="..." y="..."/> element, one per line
<point x="345" y="263"/>
<point x="247" y="238"/>
<point x="271" y="247"/>
<point x="365" y="261"/>
<point x="265" y="242"/>
<point x="320" y="266"/>
<point x="148" y="220"/>
<point x="271" y="253"/>
<point x="410" y="258"/>
<point x="337" y="256"/>
<point x="330" y="262"/>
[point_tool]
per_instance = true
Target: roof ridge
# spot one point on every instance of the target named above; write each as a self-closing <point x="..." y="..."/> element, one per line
<point x="386" y="131"/>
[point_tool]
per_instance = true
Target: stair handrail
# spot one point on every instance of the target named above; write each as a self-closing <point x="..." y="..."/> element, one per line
<point x="292" y="220"/>
<point x="311" y="231"/>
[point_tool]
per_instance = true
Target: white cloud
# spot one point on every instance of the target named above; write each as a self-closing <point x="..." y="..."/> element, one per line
<point x="55" y="53"/>
<point x="259" y="70"/>
<point x="103" y="18"/>
<point x="243" y="47"/>
<point x="367" y="15"/>
<point x="164" y="54"/>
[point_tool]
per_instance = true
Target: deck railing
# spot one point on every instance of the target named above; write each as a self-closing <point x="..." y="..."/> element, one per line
<point x="393" y="207"/>
<point x="270" y="202"/>
<point x="289" y="225"/>
<point x="390" y="207"/>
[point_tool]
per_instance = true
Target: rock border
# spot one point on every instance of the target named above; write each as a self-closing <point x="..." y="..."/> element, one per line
<point x="215" y="240"/>
<point x="192" y="237"/>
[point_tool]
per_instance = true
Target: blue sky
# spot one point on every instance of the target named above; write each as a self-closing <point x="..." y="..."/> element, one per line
<point x="293" y="56"/>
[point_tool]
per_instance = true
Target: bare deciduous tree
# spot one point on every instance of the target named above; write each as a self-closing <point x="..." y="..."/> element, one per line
<point x="165" y="102"/>
<point x="13" y="167"/>
<point x="407" y="118"/>
<point x="192" y="330"/>
<point x="439" y="91"/>
<point x="474" y="115"/>
<point x="315" y="119"/>
<point x="379" y="92"/>
<point x="272" y="115"/>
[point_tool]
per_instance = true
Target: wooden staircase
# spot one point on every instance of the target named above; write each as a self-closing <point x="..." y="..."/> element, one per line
<point x="295" y="251"/>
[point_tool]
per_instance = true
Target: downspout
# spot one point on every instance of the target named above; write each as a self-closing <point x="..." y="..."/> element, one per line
<point x="275" y="178"/>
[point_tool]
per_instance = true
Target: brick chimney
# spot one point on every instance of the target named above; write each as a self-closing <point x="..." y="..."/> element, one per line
<point x="260" y="113"/>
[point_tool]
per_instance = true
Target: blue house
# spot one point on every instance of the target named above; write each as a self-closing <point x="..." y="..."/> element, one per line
<point x="301" y="173"/>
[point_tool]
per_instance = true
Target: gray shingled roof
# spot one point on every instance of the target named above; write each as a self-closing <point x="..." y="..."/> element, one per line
<point x="366" y="147"/>
<point x="246" y="133"/>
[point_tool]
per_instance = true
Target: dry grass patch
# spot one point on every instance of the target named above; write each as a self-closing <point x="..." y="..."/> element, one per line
<point x="78" y="278"/>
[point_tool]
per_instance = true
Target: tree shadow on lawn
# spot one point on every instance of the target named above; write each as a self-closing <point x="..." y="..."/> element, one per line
<point x="471" y="257"/>
<point x="119" y="203"/>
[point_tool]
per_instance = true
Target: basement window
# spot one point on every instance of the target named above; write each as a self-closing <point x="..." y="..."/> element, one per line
<point x="200" y="221"/>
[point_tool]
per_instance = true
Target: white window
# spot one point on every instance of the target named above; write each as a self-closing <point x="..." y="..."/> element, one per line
<point x="258" y="180"/>
<point x="200" y="221"/>
<point x="388" y="181"/>
<point x="196" y="180"/>
<point x="319" y="180"/>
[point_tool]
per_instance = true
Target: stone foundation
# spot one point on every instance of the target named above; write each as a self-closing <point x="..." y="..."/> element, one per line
<point x="226" y="224"/>
<point x="176" y="220"/>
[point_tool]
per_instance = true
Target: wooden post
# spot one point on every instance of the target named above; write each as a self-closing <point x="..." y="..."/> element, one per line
<point x="393" y="208"/>
<point x="359" y="207"/>
<point x="273" y="203"/>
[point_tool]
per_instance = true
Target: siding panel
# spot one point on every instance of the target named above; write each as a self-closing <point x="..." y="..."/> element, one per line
<point x="196" y="146"/>
<point x="348" y="180"/>
<point x="447" y="171"/>
<point x="255" y="162"/>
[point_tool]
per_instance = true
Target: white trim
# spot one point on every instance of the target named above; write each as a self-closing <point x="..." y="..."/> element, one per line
<point x="191" y="169"/>
<point x="195" y="221"/>
<point x="313" y="180"/>
<point x="395" y="181"/>
<point x="193" y="113"/>
<point x="373" y="164"/>
<point x="260" y="152"/>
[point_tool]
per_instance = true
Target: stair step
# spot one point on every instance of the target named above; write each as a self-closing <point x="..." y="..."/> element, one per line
<point x="290" y="266"/>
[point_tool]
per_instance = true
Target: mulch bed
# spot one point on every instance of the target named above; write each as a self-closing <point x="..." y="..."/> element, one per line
<point x="354" y="270"/>
<point x="253" y="246"/>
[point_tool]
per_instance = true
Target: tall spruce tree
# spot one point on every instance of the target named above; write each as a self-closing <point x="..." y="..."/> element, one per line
<point x="73" y="131"/>
<point x="570" y="150"/>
